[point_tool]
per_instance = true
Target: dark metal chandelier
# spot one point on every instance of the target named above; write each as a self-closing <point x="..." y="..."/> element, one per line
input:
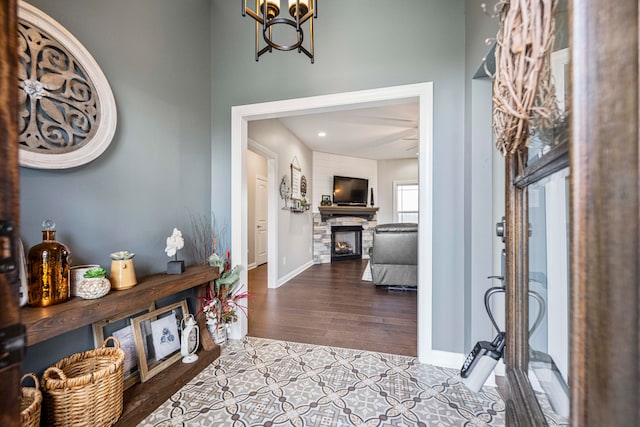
<point x="266" y="14"/>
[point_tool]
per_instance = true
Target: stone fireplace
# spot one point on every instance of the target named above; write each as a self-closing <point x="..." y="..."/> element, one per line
<point x="346" y="242"/>
<point x="322" y="243"/>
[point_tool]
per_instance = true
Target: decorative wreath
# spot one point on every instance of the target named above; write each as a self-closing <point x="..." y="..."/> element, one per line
<point x="523" y="93"/>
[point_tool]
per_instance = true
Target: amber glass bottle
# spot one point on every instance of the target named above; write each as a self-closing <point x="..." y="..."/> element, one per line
<point x="49" y="269"/>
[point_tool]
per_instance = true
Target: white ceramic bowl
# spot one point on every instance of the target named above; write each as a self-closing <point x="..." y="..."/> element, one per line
<point x="93" y="288"/>
<point x="76" y="274"/>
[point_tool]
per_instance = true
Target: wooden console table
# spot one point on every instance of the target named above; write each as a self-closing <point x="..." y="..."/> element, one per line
<point x="43" y="323"/>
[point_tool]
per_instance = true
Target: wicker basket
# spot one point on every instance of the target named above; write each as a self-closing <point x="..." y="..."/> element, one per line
<point x="85" y="389"/>
<point x="31" y="403"/>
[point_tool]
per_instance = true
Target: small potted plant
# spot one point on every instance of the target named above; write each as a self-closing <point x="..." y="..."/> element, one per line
<point x="175" y="242"/>
<point x="94" y="284"/>
<point x="304" y="204"/>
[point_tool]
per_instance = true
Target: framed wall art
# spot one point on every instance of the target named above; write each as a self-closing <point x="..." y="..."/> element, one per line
<point x="157" y="338"/>
<point x="120" y="327"/>
<point x="67" y="113"/>
<point x="296" y="173"/>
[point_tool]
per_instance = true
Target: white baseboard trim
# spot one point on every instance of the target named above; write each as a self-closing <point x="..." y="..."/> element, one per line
<point x="251" y="266"/>
<point x="294" y="273"/>
<point x="445" y="359"/>
<point x="451" y="360"/>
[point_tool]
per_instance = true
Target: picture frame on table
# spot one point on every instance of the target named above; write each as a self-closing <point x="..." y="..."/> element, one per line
<point x="121" y="328"/>
<point x="326" y="200"/>
<point x="157" y="338"/>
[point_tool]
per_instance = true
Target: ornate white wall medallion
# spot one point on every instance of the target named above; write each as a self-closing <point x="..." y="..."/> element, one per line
<point x="67" y="113"/>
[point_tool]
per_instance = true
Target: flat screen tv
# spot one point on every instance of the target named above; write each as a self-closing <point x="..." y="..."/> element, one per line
<point x="350" y="191"/>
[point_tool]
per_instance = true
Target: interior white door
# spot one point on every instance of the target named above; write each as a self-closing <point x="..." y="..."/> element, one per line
<point x="261" y="220"/>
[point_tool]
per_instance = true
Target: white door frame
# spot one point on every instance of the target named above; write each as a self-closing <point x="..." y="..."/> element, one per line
<point x="272" y="211"/>
<point x="423" y="92"/>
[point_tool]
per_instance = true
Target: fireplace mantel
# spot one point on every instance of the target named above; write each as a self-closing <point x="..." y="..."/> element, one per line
<point x="357" y="211"/>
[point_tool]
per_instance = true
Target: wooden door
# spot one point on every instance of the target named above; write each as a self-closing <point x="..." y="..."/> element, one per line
<point x="604" y="227"/>
<point x="605" y="261"/>
<point x="9" y="216"/>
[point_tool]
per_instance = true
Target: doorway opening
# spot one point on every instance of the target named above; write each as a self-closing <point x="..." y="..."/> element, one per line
<point x="241" y="115"/>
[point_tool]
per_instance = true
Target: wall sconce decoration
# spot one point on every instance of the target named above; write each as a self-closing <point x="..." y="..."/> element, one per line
<point x="67" y="113"/>
<point x="266" y="14"/>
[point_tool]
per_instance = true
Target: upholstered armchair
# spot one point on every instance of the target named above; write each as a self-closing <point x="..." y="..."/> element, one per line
<point x="394" y="255"/>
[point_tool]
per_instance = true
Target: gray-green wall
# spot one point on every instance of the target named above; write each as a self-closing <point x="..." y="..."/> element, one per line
<point x="177" y="68"/>
<point x="363" y="44"/>
<point x="479" y="163"/>
<point x="156" y="56"/>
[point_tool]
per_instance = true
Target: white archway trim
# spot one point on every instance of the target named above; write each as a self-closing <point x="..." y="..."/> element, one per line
<point x="423" y="92"/>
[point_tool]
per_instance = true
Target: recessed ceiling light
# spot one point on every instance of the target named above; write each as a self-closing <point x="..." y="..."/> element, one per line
<point x="322" y="134"/>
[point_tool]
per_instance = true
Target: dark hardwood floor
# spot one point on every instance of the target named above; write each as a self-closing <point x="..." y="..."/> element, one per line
<point x="329" y="304"/>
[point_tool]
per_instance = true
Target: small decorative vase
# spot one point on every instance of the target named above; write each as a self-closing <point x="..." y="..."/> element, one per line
<point x="218" y="332"/>
<point x="175" y="267"/>
<point x="123" y="276"/>
<point x="77" y="276"/>
<point x="48" y="266"/>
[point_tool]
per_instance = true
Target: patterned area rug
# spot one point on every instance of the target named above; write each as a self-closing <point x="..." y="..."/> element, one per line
<point x="261" y="382"/>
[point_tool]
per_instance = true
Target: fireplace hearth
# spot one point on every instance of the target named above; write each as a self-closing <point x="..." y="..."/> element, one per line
<point x="346" y="242"/>
<point x="322" y="243"/>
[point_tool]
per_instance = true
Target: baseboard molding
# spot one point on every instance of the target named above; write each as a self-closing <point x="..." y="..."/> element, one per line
<point x="294" y="273"/>
<point x="252" y="266"/>
<point x="445" y="359"/>
<point x="451" y="360"/>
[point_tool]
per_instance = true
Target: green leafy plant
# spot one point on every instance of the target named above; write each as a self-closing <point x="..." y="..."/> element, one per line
<point x="223" y="299"/>
<point x="95" y="273"/>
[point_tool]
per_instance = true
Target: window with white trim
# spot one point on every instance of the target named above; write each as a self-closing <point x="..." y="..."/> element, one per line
<point x="405" y="201"/>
